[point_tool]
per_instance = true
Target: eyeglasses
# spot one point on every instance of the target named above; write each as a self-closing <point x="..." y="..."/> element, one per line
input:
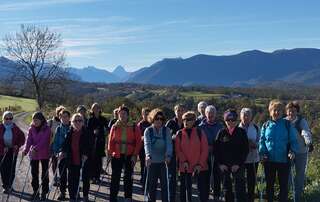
<point x="7" y="119"/>
<point x="190" y="119"/>
<point x="159" y="118"/>
<point x="78" y="120"/>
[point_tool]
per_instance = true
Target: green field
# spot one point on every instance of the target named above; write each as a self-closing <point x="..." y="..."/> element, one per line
<point x="201" y="95"/>
<point x="24" y="104"/>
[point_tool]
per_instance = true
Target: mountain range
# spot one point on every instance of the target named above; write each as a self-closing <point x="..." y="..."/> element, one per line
<point x="249" y="68"/>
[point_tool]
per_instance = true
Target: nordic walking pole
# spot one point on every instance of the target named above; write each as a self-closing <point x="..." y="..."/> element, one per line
<point x="145" y="197"/>
<point x="2" y="160"/>
<point x="55" y="191"/>
<point x="106" y="168"/>
<point x="186" y="184"/>
<point x="292" y="180"/>
<point x="54" y="175"/>
<point x="168" y="188"/>
<point x="80" y="179"/>
<point x="25" y="182"/>
<point x="11" y="171"/>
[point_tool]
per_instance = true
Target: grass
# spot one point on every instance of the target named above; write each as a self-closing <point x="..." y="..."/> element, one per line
<point x="201" y="95"/>
<point x="24" y="104"/>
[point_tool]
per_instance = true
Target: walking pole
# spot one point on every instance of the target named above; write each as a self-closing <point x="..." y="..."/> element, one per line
<point x="2" y="160"/>
<point x="168" y="188"/>
<point x="145" y="197"/>
<point x="186" y="184"/>
<point x="292" y="181"/>
<point x="80" y="179"/>
<point x="52" y="183"/>
<point x="11" y="171"/>
<point x="25" y="182"/>
<point x="106" y="168"/>
<point x="55" y="191"/>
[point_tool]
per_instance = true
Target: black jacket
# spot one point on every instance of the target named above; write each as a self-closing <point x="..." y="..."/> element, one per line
<point x="86" y="143"/>
<point x="232" y="149"/>
<point x="100" y="124"/>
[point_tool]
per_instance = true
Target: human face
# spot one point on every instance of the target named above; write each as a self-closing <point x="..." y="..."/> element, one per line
<point x="77" y="122"/>
<point x="292" y="113"/>
<point x="202" y="110"/>
<point x="123" y="116"/>
<point x="158" y="121"/>
<point x="188" y="122"/>
<point x="211" y="116"/>
<point x="36" y="122"/>
<point x="65" y="118"/>
<point x="246" y="118"/>
<point x="96" y="110"/>
<point x="7" y="119"/>
<point x="145" y="115"/>
<point x="179" y="112"/>
<point x="231" y="123"/>
<point x="276" y="113"/>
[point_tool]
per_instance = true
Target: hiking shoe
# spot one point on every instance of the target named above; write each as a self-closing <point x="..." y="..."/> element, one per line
<point x="62" y="197"/>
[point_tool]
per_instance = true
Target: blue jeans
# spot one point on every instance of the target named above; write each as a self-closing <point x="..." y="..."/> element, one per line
<point x="300" y="163"/>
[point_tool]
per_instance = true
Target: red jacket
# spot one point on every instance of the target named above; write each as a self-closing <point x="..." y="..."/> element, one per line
<point x="191" y="150"/>
<point x="133" y="140"/>
<point x="18" y="138"/>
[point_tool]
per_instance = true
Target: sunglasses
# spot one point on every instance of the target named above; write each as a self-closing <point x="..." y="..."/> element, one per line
<point x="159" y="118"/>
<point x="188" y="120"/>
<point x="7" y="119"/>
<point x="231" y="120"/>
<point x="78" y="120"/>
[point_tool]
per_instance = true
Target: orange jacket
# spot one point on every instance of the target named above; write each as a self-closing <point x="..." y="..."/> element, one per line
<point x="133" y="140"/>
<point x="191" y="150"/>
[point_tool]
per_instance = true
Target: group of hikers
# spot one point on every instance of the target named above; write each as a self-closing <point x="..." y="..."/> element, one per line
<point x="222" y="156"/>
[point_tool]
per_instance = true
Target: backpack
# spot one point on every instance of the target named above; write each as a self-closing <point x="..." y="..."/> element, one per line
<point x="199" y="133"/>
<point x="153" y="138"/>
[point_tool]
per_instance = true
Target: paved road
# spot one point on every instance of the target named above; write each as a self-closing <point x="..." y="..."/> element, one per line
<point x="23" y="176"/>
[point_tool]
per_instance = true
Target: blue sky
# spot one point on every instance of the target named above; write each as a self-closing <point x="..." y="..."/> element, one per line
<point x="138" y="33"/>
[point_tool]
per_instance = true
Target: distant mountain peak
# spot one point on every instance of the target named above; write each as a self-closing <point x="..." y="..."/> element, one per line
<point x="120" y="72"/>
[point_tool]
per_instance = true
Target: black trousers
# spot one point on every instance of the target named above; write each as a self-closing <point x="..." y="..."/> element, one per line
<point x="173" y="178"/>
<point x="186" y="186"/>
<point x="117" y="164"/>
<point x="214" y="177"/>
<point x="63" y="171"/>
<point x="54" y="164"/>
<point x="142" y="157"/>
<point x="251" y="172"/>
<point x="96" y="166"/>
<point x="74" y="179"/>
<point x="282" y="171"/>
<point x="236" y="180"/>
<point x="8" y="169"/>
<point x="44" y="175"/>
<point x="158" y="171"/>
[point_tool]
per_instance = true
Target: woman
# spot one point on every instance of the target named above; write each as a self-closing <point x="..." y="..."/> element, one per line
<point x="192" y="152"/>
<point x="304" y="138"/>
<point x="231" y="149"/>
<point x="61" y="134"/>
<point x="278" y="141"/>
<point x="38" y="147"/>
<point x="174" y="125"/>
<point x="143" y="124"/>
<point x="123" y="147"/>
<point x="98" y="126"/>
<point x="252" y="161"/>
<point x="11" y="139"/>
<point x="76" y="150"/>
<point x="158" y="147"/>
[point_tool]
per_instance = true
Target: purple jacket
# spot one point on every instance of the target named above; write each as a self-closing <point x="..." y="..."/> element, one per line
<point x="39" y="142"/>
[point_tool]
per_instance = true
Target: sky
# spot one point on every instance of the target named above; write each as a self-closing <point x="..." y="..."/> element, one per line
<point x="138" y="33"/>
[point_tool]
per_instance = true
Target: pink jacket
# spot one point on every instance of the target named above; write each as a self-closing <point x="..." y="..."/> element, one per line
<point x="38" y="142"/>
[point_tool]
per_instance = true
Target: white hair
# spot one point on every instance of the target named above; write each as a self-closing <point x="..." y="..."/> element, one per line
<point x="246" y="111"/>
<point x="211" y="108"/>
<point x="6" y="113"/>
<point x="202" y="104"/>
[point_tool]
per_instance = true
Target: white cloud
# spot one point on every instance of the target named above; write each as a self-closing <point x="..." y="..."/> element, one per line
<point x="13" y="6"/>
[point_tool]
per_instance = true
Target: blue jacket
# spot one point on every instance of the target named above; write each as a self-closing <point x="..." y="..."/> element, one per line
<point x="60" y="136"/>
<point x="211" y="130"/>
<point x="275" y="138"/>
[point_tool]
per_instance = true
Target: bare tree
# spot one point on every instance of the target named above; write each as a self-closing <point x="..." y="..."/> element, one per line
<point x="39" y="58"/>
